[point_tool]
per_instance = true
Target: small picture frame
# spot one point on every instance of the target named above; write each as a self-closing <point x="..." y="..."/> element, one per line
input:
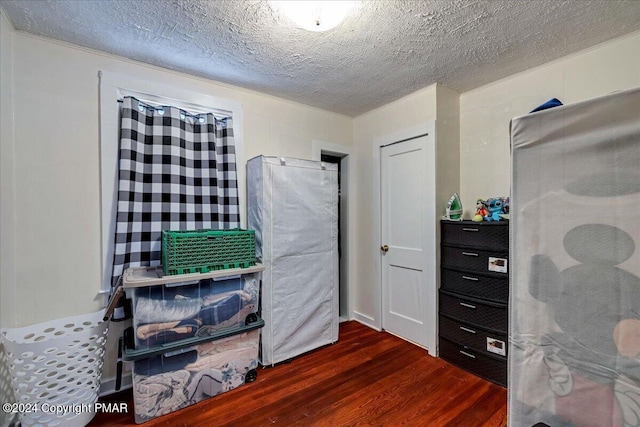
<point x="496" y="346"/>
<point x="499" y="265"/>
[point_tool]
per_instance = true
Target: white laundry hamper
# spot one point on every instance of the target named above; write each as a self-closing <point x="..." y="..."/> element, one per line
<point x="56" y="368"/>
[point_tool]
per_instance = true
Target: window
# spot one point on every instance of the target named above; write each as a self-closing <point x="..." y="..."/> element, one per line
<point x="114" y="87"/>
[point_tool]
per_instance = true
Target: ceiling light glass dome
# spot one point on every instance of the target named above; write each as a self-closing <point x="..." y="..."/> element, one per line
<point x="315" y="15"/>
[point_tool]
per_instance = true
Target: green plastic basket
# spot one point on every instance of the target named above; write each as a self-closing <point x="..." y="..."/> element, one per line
<point x="201" y="251"/>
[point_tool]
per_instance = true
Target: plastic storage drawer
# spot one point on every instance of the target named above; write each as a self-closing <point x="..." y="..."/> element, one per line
<point x="488" y="367"/>
<point x="492" y="316"/>
<point x="491" y="287"/>
<point x="179" y="377"/>
<point x="478" y="260"/>
<point x="474" y="337"/>
<point x="487" y="235"/>
<point x="170" y="312"/>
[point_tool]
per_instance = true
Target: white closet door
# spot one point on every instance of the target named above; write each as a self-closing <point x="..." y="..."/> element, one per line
<point x="404" y="224"/>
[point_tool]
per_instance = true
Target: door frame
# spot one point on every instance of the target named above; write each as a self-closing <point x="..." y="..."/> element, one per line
<point x="348" y="220"/>
<point x="430" y="249"/>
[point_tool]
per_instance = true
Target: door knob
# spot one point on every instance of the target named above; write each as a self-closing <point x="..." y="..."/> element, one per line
<point x="384" y="248"/>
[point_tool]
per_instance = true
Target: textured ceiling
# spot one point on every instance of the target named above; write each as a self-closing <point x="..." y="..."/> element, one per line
<point x="381" y="52"/>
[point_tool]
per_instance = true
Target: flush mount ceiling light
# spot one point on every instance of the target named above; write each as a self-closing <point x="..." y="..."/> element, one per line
<point x="315" y="15"/>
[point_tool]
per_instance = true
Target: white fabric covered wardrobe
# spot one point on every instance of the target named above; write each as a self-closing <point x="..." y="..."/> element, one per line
<point x="293" y="207"/>
<point x="575" y="303"/>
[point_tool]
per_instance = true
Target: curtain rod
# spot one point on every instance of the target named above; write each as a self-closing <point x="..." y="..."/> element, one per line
<point x="159" y="106"/>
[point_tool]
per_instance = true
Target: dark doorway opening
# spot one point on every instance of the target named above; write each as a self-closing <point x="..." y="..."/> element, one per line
<point x="328" y="158"/>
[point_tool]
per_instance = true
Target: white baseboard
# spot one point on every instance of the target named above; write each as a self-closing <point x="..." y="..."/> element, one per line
<point x="366" y="320"/>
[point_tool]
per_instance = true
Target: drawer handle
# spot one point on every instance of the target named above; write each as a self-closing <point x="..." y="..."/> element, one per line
<point x="467" y="305"/>
<point x="474" y="279"/>
<point x="469" y="254"/>
<point x="471" y="331"/>
<point x="467" y="354"/>
<point x="470" y="229"/>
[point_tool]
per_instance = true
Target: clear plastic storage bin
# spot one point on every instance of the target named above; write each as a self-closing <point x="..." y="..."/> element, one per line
<point x="168" y="309"/>
<point x="164" y="382"/>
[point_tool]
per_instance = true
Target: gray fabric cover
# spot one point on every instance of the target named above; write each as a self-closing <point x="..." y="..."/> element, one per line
<point x="293" y="207"/>
<point x="574" y="358"/>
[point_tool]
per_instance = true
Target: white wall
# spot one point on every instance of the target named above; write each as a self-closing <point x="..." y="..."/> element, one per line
<point x="54" y="155"/>
<point x="485" y="113"/>
<point x="7" y="191"/>
<point x="432" y="103"/>
<point x="448" y="147"/>
<point x="408" y="112"/>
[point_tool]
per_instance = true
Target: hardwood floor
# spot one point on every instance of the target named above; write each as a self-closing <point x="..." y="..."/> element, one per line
<point x="367" y="378"/>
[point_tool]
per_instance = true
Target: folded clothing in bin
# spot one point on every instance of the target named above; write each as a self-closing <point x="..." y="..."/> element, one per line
<point x="165" y="314"/>
<point x="168" y="382"/>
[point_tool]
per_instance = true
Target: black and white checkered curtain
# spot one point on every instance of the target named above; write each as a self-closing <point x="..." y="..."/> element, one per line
<point x="177" y="172"/>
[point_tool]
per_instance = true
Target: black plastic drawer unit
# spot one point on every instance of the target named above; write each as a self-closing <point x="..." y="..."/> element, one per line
<point x="490" y="287"/>
<point x="490" y="368"/>
<point x="486" y="235"/>
<point x="474" y="297"/>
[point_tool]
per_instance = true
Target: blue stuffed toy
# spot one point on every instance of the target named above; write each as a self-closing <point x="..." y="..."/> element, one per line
<point x="494" y="206"/>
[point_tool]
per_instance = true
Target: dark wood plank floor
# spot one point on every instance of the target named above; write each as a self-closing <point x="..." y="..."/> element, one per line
<point x="368" y="378"/>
